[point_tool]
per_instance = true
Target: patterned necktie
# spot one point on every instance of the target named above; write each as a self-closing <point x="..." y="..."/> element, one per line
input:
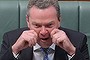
<point x="45" y="51"/>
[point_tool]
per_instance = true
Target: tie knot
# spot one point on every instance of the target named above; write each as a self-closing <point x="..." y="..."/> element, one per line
<point x="46" y="50"/>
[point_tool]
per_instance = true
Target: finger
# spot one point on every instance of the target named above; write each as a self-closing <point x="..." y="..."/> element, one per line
<point x="31" y="35"/>
<point x="59" y="40"/>
<point x="30" y="31"/>
<point x="33" y="38"/>
<point x="54" y="40"/>
<point x="33" y="32"/>
<point x="32" y="41"/>
<point x="54" y="32"/>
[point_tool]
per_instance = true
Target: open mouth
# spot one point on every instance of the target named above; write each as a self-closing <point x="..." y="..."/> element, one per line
<point x="45" y="38"/>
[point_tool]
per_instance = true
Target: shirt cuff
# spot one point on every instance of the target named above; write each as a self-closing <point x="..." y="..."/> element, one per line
<point x="70" y="56"/>
<point x="15" y="55"/>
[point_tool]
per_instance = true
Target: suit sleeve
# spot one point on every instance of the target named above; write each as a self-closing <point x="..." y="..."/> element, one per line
<point x="6" y="51"/>
<point x="82" y="52"/>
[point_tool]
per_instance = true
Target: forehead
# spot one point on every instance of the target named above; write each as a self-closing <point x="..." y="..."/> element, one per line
<point x="43" y="13"/>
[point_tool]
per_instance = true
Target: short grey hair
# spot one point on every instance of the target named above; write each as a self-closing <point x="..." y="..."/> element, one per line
<point x="42" y="4"/>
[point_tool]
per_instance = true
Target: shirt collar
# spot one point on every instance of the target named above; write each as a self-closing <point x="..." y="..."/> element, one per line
<point x="37" y="46"/>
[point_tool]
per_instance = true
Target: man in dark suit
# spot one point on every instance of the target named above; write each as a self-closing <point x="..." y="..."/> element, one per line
<point x="44" y="38"/>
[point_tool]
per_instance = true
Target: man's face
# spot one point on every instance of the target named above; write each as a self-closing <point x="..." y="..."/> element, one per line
<point x="43" y="21"/>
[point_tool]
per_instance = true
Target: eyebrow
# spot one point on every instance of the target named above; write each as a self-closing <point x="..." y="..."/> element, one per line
<point x="35" y="23"/>
<point x="41" y="23"/>
<point x="51" y="22"/>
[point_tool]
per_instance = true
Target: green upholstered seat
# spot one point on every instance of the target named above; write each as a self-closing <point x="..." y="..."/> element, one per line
<point x="9" y="0"/>
<point x="13" y="0"/>
<point x="8" y="16"/>
<point x="23" y="9"/>
<point x="84" y="19"/>
<point x="69" y="14"/>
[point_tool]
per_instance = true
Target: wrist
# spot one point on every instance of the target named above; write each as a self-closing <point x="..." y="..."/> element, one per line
<point x="72" y="51"/>
<point x="15" y="50"/>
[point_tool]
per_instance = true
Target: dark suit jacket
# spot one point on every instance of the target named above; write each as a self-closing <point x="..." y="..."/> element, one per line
<point x="78" y="40"/>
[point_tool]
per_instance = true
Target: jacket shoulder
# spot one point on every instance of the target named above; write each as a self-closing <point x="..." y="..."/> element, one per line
<point x="13" y="35"/>
<point x="17" y="31"/>
<point x="72" y="32"/>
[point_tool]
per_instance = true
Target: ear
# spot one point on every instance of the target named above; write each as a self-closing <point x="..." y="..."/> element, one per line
<point x="59" y="23"/>
<point x="27" y="20"/>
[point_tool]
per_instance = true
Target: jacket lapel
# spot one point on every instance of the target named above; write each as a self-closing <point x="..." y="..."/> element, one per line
<point x="26" y="54"/>
<point x="60" y="54"/>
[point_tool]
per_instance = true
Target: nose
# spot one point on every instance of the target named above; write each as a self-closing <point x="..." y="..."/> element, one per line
<point x="43" y="31"/>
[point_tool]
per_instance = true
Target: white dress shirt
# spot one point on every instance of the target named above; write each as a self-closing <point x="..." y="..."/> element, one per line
<point x="38" y="54"/>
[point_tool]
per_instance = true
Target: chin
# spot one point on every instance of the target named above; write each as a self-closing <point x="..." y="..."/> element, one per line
<point x="45" y="43"/>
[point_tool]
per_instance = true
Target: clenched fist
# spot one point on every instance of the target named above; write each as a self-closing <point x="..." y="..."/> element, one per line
<point x="60" y="38"/>
<point x="27" y="39"/>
